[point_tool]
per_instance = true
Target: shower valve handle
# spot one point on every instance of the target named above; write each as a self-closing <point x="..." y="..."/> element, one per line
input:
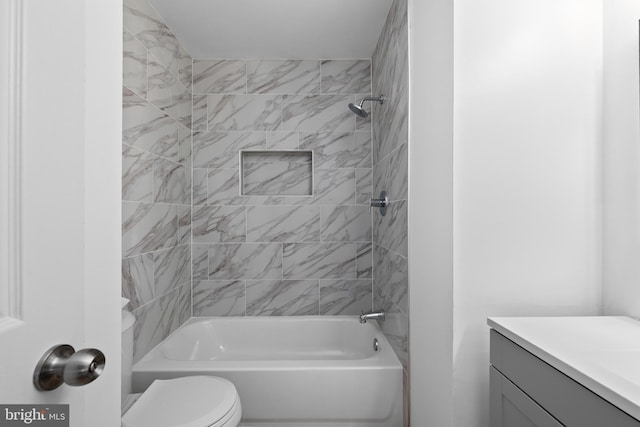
<point x="382" y="202"/>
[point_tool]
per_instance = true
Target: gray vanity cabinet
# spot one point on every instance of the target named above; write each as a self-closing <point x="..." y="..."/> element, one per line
<point x="510" y="407"/>
<point x="528" y="392"/>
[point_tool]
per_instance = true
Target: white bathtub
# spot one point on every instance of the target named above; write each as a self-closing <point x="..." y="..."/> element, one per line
<point x="303" y="371"/>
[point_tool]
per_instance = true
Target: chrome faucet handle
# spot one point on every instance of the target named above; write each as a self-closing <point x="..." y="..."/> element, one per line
<point x="382" y="202"/>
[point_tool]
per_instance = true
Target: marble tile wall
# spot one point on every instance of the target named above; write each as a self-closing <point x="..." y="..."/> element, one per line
<point x="273" y="251"/>
<point x="156" y="181"/>
<point x="390" y="173"/>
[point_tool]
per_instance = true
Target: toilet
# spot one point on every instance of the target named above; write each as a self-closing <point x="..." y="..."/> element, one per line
<point x="193" y="401"/>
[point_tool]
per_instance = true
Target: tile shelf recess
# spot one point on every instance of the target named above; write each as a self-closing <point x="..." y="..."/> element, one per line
<point x="276" y="172"/>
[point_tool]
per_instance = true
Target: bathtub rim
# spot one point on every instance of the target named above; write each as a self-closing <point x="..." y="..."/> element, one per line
<point x="386" y="358"/>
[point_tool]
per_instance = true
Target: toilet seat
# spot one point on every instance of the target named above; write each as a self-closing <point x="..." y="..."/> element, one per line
<point x="195" y="401"/>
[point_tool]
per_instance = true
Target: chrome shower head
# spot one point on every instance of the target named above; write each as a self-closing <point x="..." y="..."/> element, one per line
<point x="357" y="109"/>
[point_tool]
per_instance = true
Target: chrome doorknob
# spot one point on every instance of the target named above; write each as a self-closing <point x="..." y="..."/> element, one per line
<point x="62" y="364"/>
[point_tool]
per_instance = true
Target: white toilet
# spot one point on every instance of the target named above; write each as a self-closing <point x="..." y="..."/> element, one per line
<point x="193" y="401"/>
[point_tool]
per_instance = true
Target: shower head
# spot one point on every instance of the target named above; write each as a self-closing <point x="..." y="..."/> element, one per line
<point x="357" y="109"/>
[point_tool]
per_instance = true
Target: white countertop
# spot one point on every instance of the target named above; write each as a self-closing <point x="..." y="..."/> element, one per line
<point x="601" y="353"/>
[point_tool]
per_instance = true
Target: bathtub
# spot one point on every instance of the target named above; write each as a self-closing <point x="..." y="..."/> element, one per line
<point x="289" y="371"/>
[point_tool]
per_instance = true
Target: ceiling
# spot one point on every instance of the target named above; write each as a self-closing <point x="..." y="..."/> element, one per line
<point x="276" y="29"/>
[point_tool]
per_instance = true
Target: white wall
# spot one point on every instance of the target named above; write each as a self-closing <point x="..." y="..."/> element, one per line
<point x="527" y="173"/>
<point x="621" y="268"/>
<point x="431" y="211"/>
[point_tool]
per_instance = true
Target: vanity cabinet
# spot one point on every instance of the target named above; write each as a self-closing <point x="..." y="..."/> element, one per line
<point x="528" y="392"/>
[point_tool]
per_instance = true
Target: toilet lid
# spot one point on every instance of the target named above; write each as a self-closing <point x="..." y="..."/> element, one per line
<point x="196" y="401"/>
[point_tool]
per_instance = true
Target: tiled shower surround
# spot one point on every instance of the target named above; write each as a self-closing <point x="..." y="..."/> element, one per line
<point x="270" y="252"/>
<point x="194" y="246"/>
<point x="390" y="170"/>
<point x="156" y="160"/>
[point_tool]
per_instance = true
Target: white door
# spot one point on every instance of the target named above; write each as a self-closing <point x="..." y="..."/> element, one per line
<point x="60" y="127"/>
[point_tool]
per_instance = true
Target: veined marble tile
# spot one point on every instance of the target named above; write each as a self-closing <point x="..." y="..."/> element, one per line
<point x="345" y="224"/>
<point x="286" y="77"/>
<point x="219" y="298"/>
<point x="283" y="223"/>
<point x="200" y="259"/>
<point x="221" y="149"/>
<point x="335" y="187"/>
<point x="185" y="67"/>
<point x="391" y="230"/>
<point x="258" y="200"/>
<point x="184" y="224"/>
<point x="200" y="178"/>
<point x="199" y="113"/>
<point x="219" y="224"/>
<point x="223" y="186"/>
<point x="391" y="174"/>
<point x="381" y="301"/>
<point x="282" y="297"/>
<point x="143" y="22"/>
<point x="224" y="189"/>
<point x="137" y="174"/>
<point x="391" y="275"/>
<point x="183" y="309"/>
<point x="244" y="112"/>
<point x="283" y="140"/>
<point x="364" y="186"/>
<point x="139" y="16"/>
<point x="345" y="297"/>
<point x="319" y="261"/>
<point x="400" y="344"/>
<point x="184" y="110"/>
<point x="245" y="261"/>
<point x="390" y="58"/>
<point x="396" y="330"/>
<point x="316" y="113"/>
<point x="146" y="127"/>
<point x="184" y="145"/>
<point x="277" y="179"/>
<point x="170" y="182"/>
<point x="137" y="280"/>
<point x="147" y="227"/>
<point x="157" y="319"/>
<point x="134" y="64"/>
<point x="334" y="150"/>
<point x="363" y="124"/>
<point x="364" y="260"/>
<point x="219" y="76"/>
<point x="391" y="129"/>
<point x="346" y="76"/>
<point x="165" y="91"/>
<point x="148" y="330"/>
<point x="396" y="324"/>
<point x="186" y="196"/>
<point x="172" y="268"/>
<point x="390" y="77"/>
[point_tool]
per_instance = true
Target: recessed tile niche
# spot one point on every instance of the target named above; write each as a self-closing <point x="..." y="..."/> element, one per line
<point x="276" y="173"/>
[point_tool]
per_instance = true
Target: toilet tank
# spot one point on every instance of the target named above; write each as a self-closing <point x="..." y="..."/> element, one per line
<point x="128" y="320"/>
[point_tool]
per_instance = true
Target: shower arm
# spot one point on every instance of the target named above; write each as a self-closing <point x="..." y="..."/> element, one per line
<point x="380" y="99"/>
